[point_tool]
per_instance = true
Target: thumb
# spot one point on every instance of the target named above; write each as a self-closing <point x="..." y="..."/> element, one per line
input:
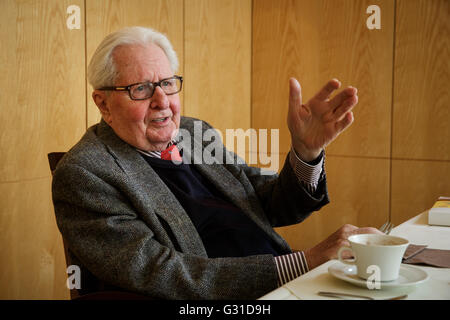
<point x="295" y="93"/>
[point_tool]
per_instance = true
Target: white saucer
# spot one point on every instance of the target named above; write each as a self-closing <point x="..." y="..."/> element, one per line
<point x="408" y="276"/>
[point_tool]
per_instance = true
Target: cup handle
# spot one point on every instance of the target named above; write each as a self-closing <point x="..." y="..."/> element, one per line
<point x="341" y="250"/>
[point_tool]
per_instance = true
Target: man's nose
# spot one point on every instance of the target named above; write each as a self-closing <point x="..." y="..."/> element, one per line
<point x="159" y="99"/>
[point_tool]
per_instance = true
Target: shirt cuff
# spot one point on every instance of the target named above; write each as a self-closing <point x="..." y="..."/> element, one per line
<point x="307" y="174"/>
<point x="290" y="266"/>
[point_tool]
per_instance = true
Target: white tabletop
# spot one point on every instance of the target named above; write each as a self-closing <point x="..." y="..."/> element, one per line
<point x="417" y="231"/>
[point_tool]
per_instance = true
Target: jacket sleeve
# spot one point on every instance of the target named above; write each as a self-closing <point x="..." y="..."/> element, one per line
<point x="104" y="231"/>
<point x="285" y="201"/>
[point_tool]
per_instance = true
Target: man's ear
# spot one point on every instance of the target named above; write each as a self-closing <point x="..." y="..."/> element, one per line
<point x="101" y="101"/>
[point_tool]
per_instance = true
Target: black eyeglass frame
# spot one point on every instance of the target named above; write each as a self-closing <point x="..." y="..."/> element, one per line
<point x="154" y="84"/>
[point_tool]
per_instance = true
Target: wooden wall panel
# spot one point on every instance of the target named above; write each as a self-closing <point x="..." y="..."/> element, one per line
<point x="42" y="67"/>
<point x="421" y="124"/>
<point x="106" y="16"/>
<point x="315" y="41"/>
<point x="42" y="103"/>
<point x="218" y="62"/>
<point x="33" y="262"/>
<point x="359" y="195"/>
<point x="416" y="185"/>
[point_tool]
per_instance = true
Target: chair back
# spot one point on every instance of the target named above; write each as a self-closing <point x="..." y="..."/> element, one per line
<point x="53" y="159"/>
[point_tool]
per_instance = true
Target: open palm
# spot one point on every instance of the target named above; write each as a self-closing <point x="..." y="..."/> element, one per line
<point x="318" y="122"/>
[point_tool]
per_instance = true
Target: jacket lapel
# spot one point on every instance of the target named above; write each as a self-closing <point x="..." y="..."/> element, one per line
<point x="151" y="192"/>
<point x="216" y="173"/>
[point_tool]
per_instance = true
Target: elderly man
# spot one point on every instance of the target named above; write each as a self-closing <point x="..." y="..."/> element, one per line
<point x="176" y="230"/>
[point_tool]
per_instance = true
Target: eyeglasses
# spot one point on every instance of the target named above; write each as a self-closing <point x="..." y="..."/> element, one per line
<point x="145" y="90"/>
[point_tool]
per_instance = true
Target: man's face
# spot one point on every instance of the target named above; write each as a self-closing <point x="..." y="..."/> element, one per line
<point x="145" y="124"/>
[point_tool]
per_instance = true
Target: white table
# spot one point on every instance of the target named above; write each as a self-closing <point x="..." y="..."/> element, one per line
<point x="417" y="231"/>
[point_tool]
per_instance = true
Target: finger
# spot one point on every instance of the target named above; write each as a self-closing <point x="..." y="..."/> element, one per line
<point x="334" y="250"/>
<point x="296" y="108"/>
<point x="326" y="91"/>
<point x="295" y="92"/>
<point x="346" y="254"/>
<point x="345" y="107"/>
<point x="345" y="231"/>
<point x="342" y="96"/>
<point x="348" y="228"/>
<point x="345" y="122"/>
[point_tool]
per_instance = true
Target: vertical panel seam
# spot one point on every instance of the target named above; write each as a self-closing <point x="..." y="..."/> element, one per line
<point x="251" y="63"/>
<point x="392" y="111"/>
<point x="184" y="55"/>
<point x="85" y="68"/>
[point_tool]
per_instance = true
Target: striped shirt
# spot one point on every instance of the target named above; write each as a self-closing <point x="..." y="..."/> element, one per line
<point x="293" y="265"/>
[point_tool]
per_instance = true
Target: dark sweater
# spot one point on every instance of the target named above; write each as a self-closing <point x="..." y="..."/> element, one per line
<point x="225" y="230"/>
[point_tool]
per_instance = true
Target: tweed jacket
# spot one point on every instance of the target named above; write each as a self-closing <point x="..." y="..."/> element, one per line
<point x="123" y="225"/>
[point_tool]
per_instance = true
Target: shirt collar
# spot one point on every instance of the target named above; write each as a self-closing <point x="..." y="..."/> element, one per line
<point x="156" y="154"/>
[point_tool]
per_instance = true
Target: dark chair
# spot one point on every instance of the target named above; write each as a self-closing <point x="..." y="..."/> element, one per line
<point x="53" y="159"/>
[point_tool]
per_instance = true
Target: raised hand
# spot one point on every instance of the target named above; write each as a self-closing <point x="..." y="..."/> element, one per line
<point x="318" y="122"/>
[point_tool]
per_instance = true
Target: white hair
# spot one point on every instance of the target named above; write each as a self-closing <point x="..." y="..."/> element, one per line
<point x="102" y="69"/>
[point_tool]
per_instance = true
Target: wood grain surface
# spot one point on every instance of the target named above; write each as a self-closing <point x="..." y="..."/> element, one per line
<point x="42" y="109"/>
<point x="421" y="124"/>
<point x="416" y="185"/>
<point x="42" y="86"/>
<point x="316" y="41"/>
<point x="33" y="262"/>
<point x="218" y="62"/>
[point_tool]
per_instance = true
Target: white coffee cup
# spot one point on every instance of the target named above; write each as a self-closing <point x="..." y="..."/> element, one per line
<point x="379" y="250"/>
